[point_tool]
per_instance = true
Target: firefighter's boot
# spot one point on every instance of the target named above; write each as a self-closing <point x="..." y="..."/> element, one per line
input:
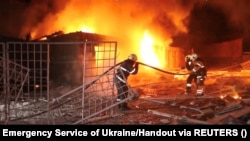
<point x="124" y="107"/>
<point x="188" y="90"/>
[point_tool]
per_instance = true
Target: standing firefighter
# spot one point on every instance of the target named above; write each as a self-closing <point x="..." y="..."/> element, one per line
<point x="192" y="76"/>
<point x="127" y="67"/>
<point x="198" y="73"/>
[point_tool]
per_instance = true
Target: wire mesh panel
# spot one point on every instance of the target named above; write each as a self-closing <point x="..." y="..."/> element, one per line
<point x="2" y="83"/>
<point x="62" y="82"/>
<point x="98" y="91"/>
<point x="2" y="66"/>
<point x="94" y="98"/>
<point x="25" y="77"/>
<point x="33" y="55"/>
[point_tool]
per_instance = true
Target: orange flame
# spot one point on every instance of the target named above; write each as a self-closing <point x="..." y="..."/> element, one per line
<point x="87" y="29"/>
<point x="147" y="52"/>
<point x="153" y="50"/>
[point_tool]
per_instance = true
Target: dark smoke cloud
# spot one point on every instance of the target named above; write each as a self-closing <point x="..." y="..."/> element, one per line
<point x="209" y="23"/>
<point x="18" y="17"/>
<point x="216" y="21"/>
<point x="205" y="20"/>
<point x="22" y="16"/>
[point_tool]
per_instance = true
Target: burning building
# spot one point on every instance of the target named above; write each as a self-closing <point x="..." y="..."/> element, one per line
<point x="160" y="32"/>
<point x="66" y="60"/>
<point x="149" y="28"/>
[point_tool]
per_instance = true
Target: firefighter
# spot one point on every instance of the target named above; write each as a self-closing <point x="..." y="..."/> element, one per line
<point x="127" y="67"/>
<point x="192" y="76"/>
<point x="198" y="73"/>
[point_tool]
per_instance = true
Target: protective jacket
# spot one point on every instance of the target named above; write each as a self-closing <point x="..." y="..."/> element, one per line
<point x="199" y="67"/>
<point x="126" y="68"/>
<point x="189" y="63"/>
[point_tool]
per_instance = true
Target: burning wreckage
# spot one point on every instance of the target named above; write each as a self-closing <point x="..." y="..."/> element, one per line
<point x="68" y="79"/>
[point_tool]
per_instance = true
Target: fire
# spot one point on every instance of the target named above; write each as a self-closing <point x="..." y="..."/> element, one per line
<point x="150" y="53"/>
<point x="147" y="52"/>
<point x="123" y="21"/>
<point x="87" y="29"/>
<point x="235" y="96"/>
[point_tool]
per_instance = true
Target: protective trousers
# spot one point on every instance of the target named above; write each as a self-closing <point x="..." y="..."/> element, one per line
<point x="200" y="85"/>
<point x="191" y="77"/>
<point x="122" y="92"/>
<point x="201" y="76"/>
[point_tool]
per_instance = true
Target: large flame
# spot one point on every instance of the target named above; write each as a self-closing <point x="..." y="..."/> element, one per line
<point x="147" y="52"/>
<point x="87" y="29"/>
<point x="146" y="33"/>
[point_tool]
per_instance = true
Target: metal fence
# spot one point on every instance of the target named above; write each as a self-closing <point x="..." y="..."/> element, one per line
<point x="57" y="82"/>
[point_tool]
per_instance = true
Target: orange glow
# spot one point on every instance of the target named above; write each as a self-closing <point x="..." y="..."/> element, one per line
<point x="101" y="60"/>
<point x="222" y="96"/>
<point x="147" y="52"/>
<point x="153" y="51"/>
<point x="87" y="29"/>
<point x="235" y="95"/>
<point x="99" y="55"/>
<point x="125" y="22"/>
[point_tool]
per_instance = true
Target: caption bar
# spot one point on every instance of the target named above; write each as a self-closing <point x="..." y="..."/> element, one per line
<point x="242" y="133"/>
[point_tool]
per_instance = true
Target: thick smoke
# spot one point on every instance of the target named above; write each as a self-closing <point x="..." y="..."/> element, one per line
<point x="217" y="21"/>
<point x="23" y="16"/>
<point x="188" y="22"/>
<point x="19" y="17"/>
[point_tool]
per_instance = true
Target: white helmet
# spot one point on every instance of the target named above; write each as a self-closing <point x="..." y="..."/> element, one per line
<point x="132" y="57"/>
<point x="194" y="56"/>
<point x="188" y="56"/>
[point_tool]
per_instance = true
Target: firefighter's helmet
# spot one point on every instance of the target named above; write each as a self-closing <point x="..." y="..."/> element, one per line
<point x="132" y="57"/>
<point x="194" y="56"/>
<point x="188" y="56"/>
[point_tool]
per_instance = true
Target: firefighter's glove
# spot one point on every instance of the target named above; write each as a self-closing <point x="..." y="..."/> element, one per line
<point x="193" y="72"/>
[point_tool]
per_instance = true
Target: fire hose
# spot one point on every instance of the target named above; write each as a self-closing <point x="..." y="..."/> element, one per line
<point x="168" y="72"/>
<point x="92" y="82"/>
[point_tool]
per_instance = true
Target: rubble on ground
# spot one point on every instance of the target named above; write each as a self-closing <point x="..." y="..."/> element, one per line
<point x="226" y="102"/>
